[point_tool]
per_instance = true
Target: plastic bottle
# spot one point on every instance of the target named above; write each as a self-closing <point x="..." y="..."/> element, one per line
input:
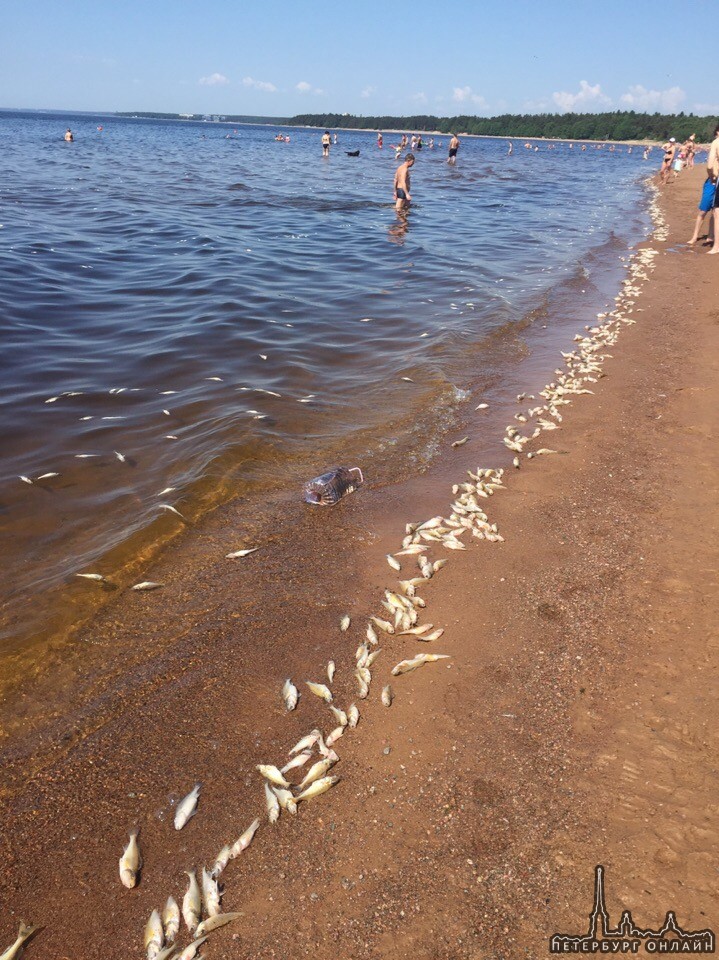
<point x="333" y="485"/>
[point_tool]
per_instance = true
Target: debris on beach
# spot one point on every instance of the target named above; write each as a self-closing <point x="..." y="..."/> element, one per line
<point x="24" y="933"/>
<point x="330" y="487"/>
<point x="345" y="623"/>
<point x="236" y="554"/>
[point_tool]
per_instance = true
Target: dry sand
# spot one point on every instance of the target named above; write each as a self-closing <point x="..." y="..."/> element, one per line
<point x="576" y="723"/>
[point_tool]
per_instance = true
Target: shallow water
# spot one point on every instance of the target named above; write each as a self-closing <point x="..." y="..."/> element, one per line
<point x="161" y="282"/>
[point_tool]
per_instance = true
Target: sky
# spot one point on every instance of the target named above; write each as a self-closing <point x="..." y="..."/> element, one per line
<point x="278" y="58"/>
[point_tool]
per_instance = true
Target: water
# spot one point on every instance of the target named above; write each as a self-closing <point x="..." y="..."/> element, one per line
<point x="233" y="315"/>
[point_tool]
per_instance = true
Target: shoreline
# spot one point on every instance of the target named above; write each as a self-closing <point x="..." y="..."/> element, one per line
<point x="465" y="740"/>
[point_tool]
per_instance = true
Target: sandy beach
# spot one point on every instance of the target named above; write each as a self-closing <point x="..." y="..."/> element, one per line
<point x="574" y="725"/>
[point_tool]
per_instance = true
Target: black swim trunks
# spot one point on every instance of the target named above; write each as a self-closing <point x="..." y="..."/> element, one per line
<point x="401" y="195"/>
<point x="453" y="151"/>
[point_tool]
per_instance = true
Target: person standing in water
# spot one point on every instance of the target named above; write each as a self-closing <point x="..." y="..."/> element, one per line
<point x="326" y="143"/>
<point x="68" y="136"/>
<point x="401" y="184"/>
<point x="453" y="148"/>
<point x="511" y="148"/>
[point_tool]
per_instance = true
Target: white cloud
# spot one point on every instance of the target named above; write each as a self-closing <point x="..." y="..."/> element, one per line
<point x="260" y="85"/>
<point x="587" y="94"/>
<point x="305" y="87"/>
<point x="367" y="92"/>
<point x="214" y="80"/>
<point x="638" y="97"/>
<point x="465" y="95"/>
<point x="420" y="97"/>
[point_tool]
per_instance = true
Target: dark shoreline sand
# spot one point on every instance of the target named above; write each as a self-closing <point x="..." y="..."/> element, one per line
<point x="575" y="724"/>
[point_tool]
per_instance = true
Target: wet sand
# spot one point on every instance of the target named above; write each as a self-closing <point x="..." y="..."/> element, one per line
<point x="574" y="725"/>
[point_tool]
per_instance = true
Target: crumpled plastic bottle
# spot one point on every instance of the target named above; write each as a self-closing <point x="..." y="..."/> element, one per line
<point x="332" y="486"/>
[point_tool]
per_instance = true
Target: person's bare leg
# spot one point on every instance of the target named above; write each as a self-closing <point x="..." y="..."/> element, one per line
<point x="715" y="245"/>
<point x="697" y="227"/>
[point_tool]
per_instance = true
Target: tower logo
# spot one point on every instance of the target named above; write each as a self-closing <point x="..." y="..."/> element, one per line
<point x="627" y="937"/>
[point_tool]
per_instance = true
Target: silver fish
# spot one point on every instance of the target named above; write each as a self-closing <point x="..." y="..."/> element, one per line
<point x="272" y="774"/>
<point x="130" y="862"/>
<point x="395" y="564"/>
<point x="290" y="694"/>
<point x="186" y="807"/>
<point x="190" y="951"/>
<point x="428" y="638"/>
<point x="317" y="788"/>
<point x="340" y="716"/>
<point x="407" y="666"/>
<point x="170" y="509"/>
<point x="210" y="894"/>
<point x="383" y="624"/>
<point x="246" y="839"/>
<point x="154" y="935"/>
<point x="240" y="553"/>
<point x="353" y="715"/>
<point x="121" y="457"/>
<point x="334" y="736"/>
<point x="320" y="690"/>
<point x="331" y="671"/>
<point x="15" y="949"/>
<point x="306" y="742"/>
<point x="286" y="800"/>
<point x="192" y="903"/>
<point x="345" y="623"/>
<point x="171" y="919"/>
<point x="387" y="696"/>
<point x="273" y="804"/>
<point x="214" y="923"/>
<point x="221" y="861"/>
<point x="299" y="760"/>
<point x="98" y="577"/>
<point x="47" y="476"/>
<point x="147" y="585"/>
<point x="460" y="443"/>
<point x="25" y="479"/>
<point x="316" y="771"/>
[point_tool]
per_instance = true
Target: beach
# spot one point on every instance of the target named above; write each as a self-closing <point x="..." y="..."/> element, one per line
<point x="574" y="725"/>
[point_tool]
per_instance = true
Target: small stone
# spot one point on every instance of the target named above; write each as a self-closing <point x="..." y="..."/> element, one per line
<point x="387" y="751"/>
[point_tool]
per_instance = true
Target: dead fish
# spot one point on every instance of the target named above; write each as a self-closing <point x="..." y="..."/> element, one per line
<point x="372" y="635"/>
<point x="186" y="808"/>
<point x="383" y="625"/>
<point x="166" y="490"/>
<point x="407" y="379"/>
<point x="431" y="636"/>
<point x="299" y="760"/>
<point x="47" y="476"/>
<point x="271" y="773"/>
<point x="410" y="550"/>
<point x="214" y="923"/>
<point x="345" y="623"/>
<point x="387" y="696"/>
<point x="460" y="443"/>
<point x="210" y="894"/>
<point x="25" y="479"/>
<point x="154" y="935"/>
<point x="171" y="919"/>
<point x="395" y="564"/>
<point x="166" y="506"/>
<point x="372" y="657"/>
<point x="334" y="736"/>
<point x="130" y="862"/>
<point x="240" y="553"/>
<point x="544" y="451"/>
<point x="340" y="716"/>
<point x="362" y="686"/>
<point x="331" y="670"/>
<point x="320" y="690"/>
<point x="216" y="379"/>
<point x="97" y="577"/>
<point x="192" y="903"/>
<point x="245" y="839"/>
<point x="417" y="631"/>
<point x="121" y="457"/>
<point x="353" y="715"/>
<point x="86" y="456"/>
<point x="286" y="800"/>
<point x="190" y="951"/>
<point x="24" y="934"/>
<point x="168" y="952"/>
<point x="316" y="771"/>
<point x="166" y="412"/>
<point x="221" y="860"/>
<point x="307" y="742"/>
<point x="272" y="803"/>
<point x="317" y="788"/>
<point x="147" y="585"/>
<point x="451" y="543"/>
<point x="407" y="666"/>
<point x="438" y="564"/>
<point x="290" y="694"/>
<point x="482" y="406"/>
<point x="171" y="436"/>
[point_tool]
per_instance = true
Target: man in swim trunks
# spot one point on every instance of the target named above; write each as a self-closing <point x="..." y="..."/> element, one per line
<point x="713" y="173"/>
<point x="453" y="148"/>
<point x="401" y="184"/>
<point x="326" y="143"/>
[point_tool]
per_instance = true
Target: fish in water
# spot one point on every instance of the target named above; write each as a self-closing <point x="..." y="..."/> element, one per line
<point x="317" y="788"/>
<point x="290" y="694"/>
<point x="154" y="935"/>
<point x="171" y="919"/>
<point x="147" y="585"/>
<point x="97" y="577"/>
<point x="24" y="934"/>
<point x="192" y="903"/>
<point x="460" y="443"/>
<point x="130" y="862"/>
<point x="170" y="509"/>
<point x="214" y="923"/>
<point x="186" y="808"/>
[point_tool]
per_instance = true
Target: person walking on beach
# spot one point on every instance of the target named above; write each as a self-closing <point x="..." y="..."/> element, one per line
<point x="68" y="136"/>
<point x="326" y="143"/>
<point x="401" y="184"/>
<point x="670" y="149"/>
<point x="453" y="148"/>
<point x="713" y="172"/>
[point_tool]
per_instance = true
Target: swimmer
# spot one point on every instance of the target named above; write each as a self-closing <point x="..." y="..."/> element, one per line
<point x="453" y="148"/>
<point x="68" y="136"/>
<point x="510" y="151"/>
<point x="326" y="143"/>
<point x="401" y="184"/>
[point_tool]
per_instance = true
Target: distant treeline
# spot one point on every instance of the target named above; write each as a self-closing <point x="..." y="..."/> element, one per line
<point x="620" y="125"/>
<point x="226" y="118"/>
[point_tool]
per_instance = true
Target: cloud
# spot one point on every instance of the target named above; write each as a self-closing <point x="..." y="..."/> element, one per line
<point x="706" y="109"/>
<point x="259" y="85"/>
<point x="653" y="100"/>
<point x="214" y="80"/>
<point x="465" y="95"/>
<point x="367" y="92"/>
<point x="419" y="97"/>
<point x="305" y="87"/>
<point x="587" y="94"/>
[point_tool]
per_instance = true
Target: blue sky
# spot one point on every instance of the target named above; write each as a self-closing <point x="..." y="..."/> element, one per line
<point x="281" y="58"/>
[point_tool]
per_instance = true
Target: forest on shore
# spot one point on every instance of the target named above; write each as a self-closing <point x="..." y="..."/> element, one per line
<point x="619" y="125"/>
